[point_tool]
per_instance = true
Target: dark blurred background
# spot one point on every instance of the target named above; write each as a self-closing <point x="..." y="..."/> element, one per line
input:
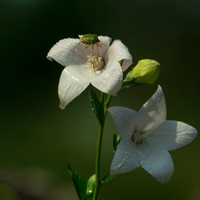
<point x="38" y="140"/>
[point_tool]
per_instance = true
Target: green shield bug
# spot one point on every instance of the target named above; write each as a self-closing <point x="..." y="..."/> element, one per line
<point x="90" y="39"/>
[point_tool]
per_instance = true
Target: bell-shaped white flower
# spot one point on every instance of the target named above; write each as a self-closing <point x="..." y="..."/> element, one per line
<point x="97" y="64"/>
<point x="146" y="138"/>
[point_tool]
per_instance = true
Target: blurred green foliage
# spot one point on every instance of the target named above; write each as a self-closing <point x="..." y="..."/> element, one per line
<point x="35" y="133"/>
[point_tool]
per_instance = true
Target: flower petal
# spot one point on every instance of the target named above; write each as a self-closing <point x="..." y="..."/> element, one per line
<point x="124" y="120"/>
<point x="125" y="160"/>
<point x="172" y="135"/>
<point x="72" y="83"/>
<point x="68" y="52"/>
<point x="118" y="51"/>
<point x="99" y="49"/>
<point x="126" y="64"/>
<point x="110" y="80"/>
<point x="159" y="165"/>
<point x="153" y="111"/>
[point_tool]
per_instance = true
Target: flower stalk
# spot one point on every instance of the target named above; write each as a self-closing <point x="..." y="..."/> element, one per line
<point x="99" y="143"/>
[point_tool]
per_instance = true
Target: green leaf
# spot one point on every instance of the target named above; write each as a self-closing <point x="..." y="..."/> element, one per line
<point x="79" y="183"/>
<point x="97" y="106"/>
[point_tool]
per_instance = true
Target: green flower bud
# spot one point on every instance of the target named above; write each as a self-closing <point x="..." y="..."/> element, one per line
<point x="90" y="185"/>
<point x="146" y="71"/>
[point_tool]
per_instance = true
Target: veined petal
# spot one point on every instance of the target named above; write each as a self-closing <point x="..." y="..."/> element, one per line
<point x="125" y="160"/>
<point x="99" y="49"/>
<point x="73" y="82"/>
<point x="159" y="165"/>
<point x="110" y="80"/>
<point x="118" y="51"/>
<point x="172" y="135"/>
<point x="124" y="121"/>
<point x="68" y="52"/>
<point x="153" y="112"/>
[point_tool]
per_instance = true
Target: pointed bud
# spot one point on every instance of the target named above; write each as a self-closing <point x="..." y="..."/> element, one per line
<point x="91" y="185"/>
<point x="146" y="71"/>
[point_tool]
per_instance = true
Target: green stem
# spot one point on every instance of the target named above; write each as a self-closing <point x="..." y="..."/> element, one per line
<point x="97" y="168"/>
<point x="98" y="152"/>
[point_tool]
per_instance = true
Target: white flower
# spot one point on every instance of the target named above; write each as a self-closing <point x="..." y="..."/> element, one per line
<point x="146" y="138"/>
<point x="96" y="64"/>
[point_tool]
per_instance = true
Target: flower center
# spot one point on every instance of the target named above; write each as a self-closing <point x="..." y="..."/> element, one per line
<point x="138" y="137"/>
<point x="96" y="61"/>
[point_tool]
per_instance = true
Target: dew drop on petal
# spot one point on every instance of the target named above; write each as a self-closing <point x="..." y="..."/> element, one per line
<point x="114" y="71"/>
<point x="119" y="165"/>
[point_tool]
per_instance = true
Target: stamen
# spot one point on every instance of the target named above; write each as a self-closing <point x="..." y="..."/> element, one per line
<point x="139" y="137"/>
<point x="97" y="62"/>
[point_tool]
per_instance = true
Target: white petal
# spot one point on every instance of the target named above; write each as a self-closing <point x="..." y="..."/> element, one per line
<point x="118" y="51"/>
<point x="124" y="120"/>
<point x="125" y="160"/>
<point x="172" y="135"/>
<point x="72" y="83"/>
<point x="153" y="111"/>
<point x="99" y="49"/>
<point x="68" y="52"/>
<point x="110" y="80"/>
<point x="159" y="165"/>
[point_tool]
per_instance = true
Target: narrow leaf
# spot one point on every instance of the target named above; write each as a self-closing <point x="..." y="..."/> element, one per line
<point x="97" y="106"/>
<point x="79" y="183"/>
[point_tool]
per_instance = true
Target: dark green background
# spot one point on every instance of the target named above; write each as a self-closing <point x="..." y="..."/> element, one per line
<point x="39" y="139"/>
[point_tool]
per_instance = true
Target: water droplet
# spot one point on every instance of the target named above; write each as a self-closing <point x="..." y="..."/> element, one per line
<point x="148" y="65"/>
<point x="119" y="165"/>
<point x="115" y="71"/>
<point x="90" y="191"/>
